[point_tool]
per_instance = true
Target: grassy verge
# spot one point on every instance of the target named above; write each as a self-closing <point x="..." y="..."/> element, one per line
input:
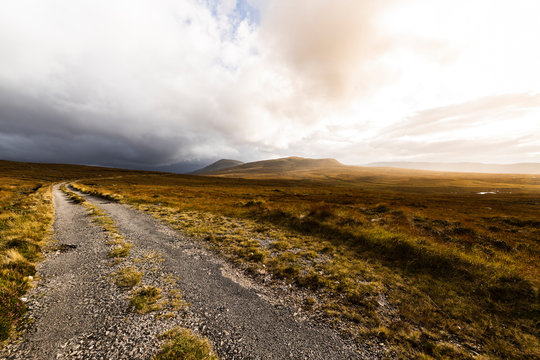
<point x="25" y="218"/>
<point x="432" y="272"/>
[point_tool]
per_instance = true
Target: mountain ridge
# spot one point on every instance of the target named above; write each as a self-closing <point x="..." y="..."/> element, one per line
<point x="216" y="166"/>
<point x="293" y="167"/>
<point x="280" y="166"/>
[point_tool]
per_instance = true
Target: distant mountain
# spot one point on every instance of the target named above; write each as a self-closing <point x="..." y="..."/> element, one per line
<point x="218" y="165"/>
<point x="291" y="167"/>
<point x="178" y="168"/>
<point x="521" y="168"/>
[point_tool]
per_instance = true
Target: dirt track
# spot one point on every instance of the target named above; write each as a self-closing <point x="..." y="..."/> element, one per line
<point x="78" y="312"/>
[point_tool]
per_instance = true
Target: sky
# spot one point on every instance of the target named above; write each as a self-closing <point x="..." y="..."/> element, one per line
<point x="143" y="83"/>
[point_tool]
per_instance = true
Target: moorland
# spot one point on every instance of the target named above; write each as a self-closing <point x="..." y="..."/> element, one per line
<point x="434" y="265"/>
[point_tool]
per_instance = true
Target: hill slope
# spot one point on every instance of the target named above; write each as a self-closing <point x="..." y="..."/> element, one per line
<point x="47" y="172"/>
<point x="332" y="171"/>
<point x="290" y="167"/>
<point x="218" y="165"/>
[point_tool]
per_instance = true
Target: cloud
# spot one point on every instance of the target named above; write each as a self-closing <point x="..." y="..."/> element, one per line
<point x="482" y="111"/>
<point x="331" y="47"/>
<point x="483" y="129"/>
<point x="136" y="81"/>
<point x="145" y="83"/>
<point x="499" y="150"/>
<point x="33" y="130"/>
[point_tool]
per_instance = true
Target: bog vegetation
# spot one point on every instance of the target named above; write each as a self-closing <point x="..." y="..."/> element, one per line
<point x="423" y="263"/>
<point x="419" y="261"/>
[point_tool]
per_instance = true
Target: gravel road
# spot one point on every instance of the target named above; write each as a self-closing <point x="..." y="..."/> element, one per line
<point x="76" y="311"/>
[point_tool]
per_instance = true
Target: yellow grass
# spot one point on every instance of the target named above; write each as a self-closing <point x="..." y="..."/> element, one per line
<point x="127" y="277"/>
<point x="184" y="344"/>
<point x="25" y="219"/>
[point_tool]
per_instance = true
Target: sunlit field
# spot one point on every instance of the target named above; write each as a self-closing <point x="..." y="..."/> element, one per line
<point x="431" y="264"/>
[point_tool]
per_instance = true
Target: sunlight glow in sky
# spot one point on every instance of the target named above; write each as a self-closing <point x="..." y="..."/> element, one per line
<point x="144" y="82"/>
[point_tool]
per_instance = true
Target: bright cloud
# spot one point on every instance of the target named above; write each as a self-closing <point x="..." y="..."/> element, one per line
<point x="142" y="82"/>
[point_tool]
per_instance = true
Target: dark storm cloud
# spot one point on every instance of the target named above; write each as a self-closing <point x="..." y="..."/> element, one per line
<point x="32" y="129"/>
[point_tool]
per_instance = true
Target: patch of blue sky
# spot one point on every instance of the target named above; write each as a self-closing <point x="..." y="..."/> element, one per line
<point x="246" y="11"/>
<point x="242" y="11"/>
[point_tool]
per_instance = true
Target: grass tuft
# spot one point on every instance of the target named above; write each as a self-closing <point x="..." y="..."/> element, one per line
<point x="12" y="310"/>
<point x="121" y="250"/>
<point x="146" y="299"/>
<point x="127" y="277"/>
<point x="184" y="344"/>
